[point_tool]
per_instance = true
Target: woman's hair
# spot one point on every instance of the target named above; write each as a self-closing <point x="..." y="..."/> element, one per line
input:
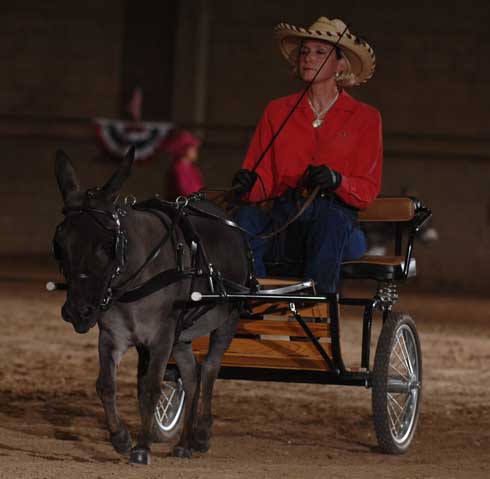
<point x="345" y="79"/>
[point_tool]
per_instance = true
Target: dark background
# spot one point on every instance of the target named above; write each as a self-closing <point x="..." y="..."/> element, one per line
<point x="213" y="65"/>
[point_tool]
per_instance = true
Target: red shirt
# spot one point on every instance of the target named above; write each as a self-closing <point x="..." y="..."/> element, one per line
<point x="349" y="141"/>
<point x="183" y="179"/>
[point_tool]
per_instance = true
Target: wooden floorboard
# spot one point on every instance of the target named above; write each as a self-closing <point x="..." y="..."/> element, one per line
<point x="268" y="354"/>
<point x="282" y="328"/>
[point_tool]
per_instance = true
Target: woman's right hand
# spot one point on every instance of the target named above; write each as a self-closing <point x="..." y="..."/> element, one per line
<point x="322" y="176"/>
<point x="244" y="180"/>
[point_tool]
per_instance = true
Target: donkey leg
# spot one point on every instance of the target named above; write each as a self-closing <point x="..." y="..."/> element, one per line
<point x="110" y="355"/>
<point x="219" y="343"/>
<point x="143" y="363"/>
<point x="189" y="371"/>
<point x="149" y="387"/>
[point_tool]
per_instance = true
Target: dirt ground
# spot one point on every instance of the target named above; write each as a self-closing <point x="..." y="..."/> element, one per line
<point x="52" y="424"/>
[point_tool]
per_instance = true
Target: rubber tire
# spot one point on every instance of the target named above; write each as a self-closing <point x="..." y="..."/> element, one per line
<point x="380" y="377"/>
<point x="160" y="435"/>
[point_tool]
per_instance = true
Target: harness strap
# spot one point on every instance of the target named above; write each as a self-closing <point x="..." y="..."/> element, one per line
<point x="157" y="282"/>
<point x="226" y="221"/>
<point x="156" y="251"/>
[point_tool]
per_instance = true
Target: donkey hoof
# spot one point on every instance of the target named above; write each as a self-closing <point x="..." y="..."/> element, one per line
<point x="140" y="456"/>
<point x="121" y="441"/>
<point x="182" y="452"/>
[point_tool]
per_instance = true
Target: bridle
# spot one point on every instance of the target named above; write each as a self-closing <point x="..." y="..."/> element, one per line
<point x="120" y="244"/>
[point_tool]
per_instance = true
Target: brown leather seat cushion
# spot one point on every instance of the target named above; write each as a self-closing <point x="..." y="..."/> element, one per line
<point x="389" y="209"/>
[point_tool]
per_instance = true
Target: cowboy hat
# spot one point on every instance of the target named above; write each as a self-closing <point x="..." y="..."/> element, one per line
<point x="358" y="52"/>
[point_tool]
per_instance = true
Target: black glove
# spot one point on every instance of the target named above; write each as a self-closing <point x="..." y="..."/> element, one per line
<point x="244" y="180"/>
<point x="322" y="176"/>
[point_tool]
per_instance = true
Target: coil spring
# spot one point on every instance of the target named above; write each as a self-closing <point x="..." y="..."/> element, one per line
<point x="387" y="293"/>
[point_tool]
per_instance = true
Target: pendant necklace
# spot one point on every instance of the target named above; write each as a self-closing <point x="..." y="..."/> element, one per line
<point x="318" y="115"/>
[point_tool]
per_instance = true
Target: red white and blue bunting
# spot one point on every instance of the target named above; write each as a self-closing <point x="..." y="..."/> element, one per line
<point x="116" y="136"/>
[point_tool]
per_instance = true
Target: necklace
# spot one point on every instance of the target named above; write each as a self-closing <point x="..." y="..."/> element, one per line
<point x="319" y="114"/>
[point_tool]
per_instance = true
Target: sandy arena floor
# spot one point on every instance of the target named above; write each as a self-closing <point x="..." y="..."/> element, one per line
<point x="52" y="424"/>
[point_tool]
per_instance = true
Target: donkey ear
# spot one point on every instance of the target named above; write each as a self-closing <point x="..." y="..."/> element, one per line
<point x="65" y="175"/>
<point x="122" y="173"/>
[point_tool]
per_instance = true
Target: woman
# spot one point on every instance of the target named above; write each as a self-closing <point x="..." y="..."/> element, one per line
<point x="331" y="140"/>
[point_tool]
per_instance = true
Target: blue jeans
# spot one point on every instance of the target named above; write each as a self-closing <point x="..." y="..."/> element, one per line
<point x="331" y="235"/>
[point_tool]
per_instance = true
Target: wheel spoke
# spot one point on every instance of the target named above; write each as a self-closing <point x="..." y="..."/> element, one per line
<point x="158" y="411"/>
<point x="169" y="403"/>
<point x="403" y="376"/>
<point x="402" y="359"/>
<point x="402" y="410"/>
<point x="393" y="415"/>
<point x="409" y="362"/>
<point x="393" y="399"/>
<point x="392" y="421"/>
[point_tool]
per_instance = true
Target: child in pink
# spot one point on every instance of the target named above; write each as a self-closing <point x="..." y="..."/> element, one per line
<point x="184" y="177"/>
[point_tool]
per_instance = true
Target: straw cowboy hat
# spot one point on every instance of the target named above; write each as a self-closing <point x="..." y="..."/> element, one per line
<point x="360" y="55"/>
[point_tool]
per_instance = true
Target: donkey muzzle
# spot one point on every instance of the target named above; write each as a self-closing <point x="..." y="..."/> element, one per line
<point x="82" y="318"/>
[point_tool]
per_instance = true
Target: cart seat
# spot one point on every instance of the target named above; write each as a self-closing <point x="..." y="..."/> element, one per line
<point x="380" y="268"/>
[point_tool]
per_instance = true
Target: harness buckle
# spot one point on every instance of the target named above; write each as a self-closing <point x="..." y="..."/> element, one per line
<point x="129" y="200"/>
<point x="181" y="202"/>
<point x="121" y="211"/>
<point x="107" y="301"/>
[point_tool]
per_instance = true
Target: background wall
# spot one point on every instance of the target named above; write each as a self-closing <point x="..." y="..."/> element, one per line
<point x="214" y="65"/>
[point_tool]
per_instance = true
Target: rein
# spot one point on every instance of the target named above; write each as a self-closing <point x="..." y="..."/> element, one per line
<point x="296" y="216"/>
<point x="291" y="220"/>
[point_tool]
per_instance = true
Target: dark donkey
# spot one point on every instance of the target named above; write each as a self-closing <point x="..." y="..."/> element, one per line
<point x="109" y="252"/>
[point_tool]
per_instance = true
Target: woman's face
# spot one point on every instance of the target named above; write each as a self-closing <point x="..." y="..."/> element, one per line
<point x="311" y="57"/>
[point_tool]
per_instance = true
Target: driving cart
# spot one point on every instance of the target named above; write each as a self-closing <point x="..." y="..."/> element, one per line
<point x="289" y="333"/>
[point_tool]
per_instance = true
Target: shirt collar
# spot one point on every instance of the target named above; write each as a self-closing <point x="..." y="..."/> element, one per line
<point x="344" y="102"/>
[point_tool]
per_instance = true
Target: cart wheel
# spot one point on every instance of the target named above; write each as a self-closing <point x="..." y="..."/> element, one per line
<point x="169" y="413"/>
<point x="397" y="383"/>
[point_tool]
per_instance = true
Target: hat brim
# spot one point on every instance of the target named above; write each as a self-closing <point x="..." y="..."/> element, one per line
<point x="359" y="53"/>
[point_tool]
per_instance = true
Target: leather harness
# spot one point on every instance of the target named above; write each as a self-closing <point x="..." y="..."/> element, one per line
<point x="178" y="212"/>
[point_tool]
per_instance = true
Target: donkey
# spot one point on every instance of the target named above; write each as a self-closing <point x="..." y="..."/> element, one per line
<point x="104" y="247"/>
